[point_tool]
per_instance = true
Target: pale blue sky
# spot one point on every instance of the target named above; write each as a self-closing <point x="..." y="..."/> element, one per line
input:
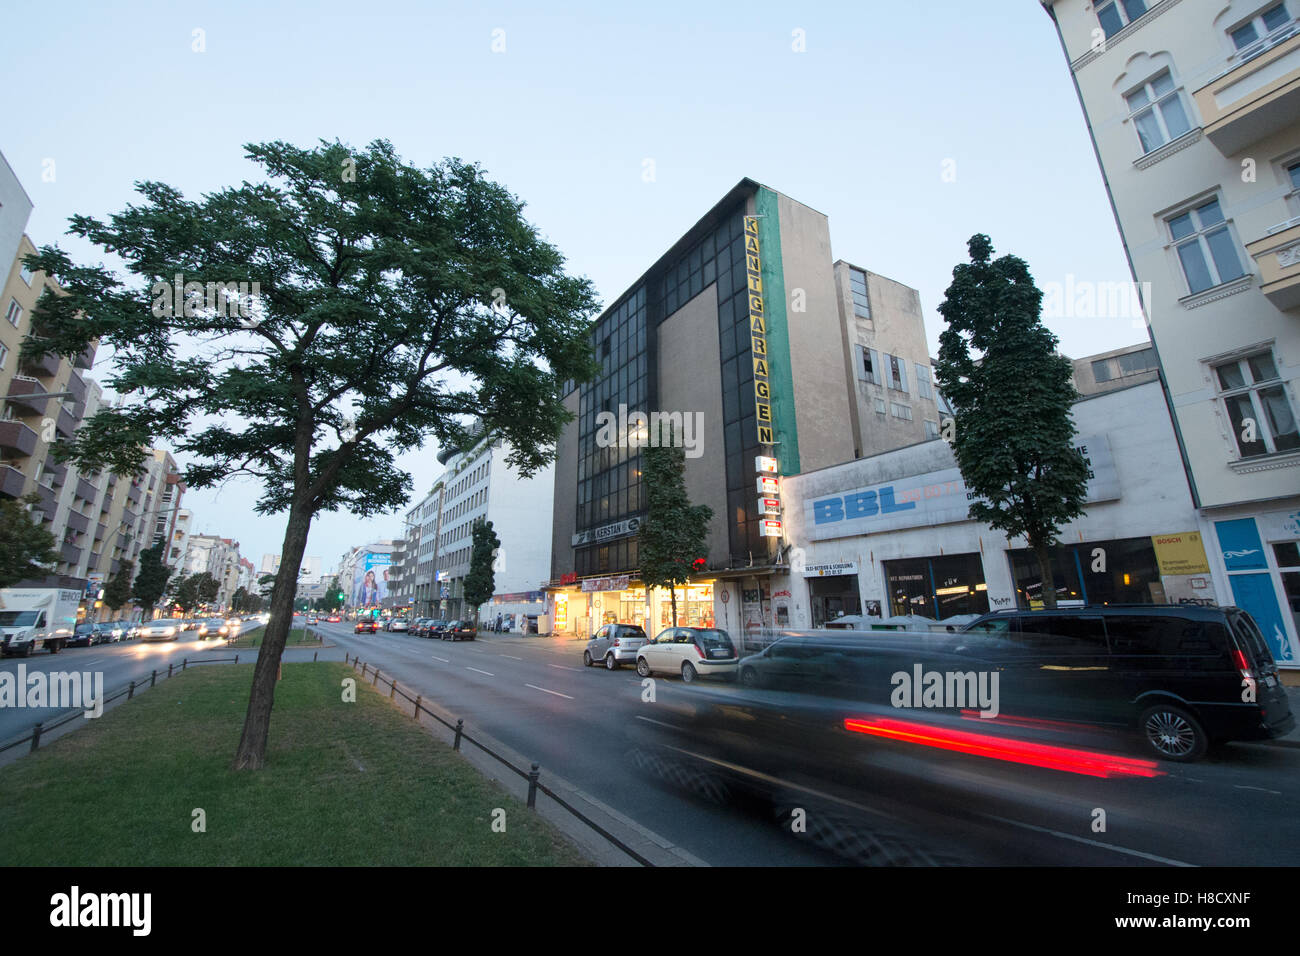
<point x="858" y="127"/>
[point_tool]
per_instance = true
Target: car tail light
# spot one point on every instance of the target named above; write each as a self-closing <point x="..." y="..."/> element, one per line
<point x="616" y="644"/>
<point x="1243" y="665"/>
<point x="699" y="650"/>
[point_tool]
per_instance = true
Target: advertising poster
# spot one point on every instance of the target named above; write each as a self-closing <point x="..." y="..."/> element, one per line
<point x="370" y="581"/>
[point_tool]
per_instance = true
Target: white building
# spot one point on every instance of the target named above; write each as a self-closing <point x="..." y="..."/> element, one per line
<point x="890" y="534"/>
<point x="1194" y="110"/>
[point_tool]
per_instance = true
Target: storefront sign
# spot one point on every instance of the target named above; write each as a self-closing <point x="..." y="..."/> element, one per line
<point x="1181" y="553"/>
<point x="767" y="485"/>
<point x="934" y="498"/>
<point x="758" y="333"/>
<point x="830" y="570"/>
<point x="769" y="506"/>
<point x="765" y="465"/>
<point x="1281" y="526"/>
<point x="769" y="528"/>
<point x="606" y="584"/>
<point x="619" y="529"/>
<point x="561" y="612"/>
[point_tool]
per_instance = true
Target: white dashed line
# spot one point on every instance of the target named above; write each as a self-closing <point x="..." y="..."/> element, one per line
<point x="468" y="668"/>
<point x="511" y="656"/>
<point x="651" y="720"/>
<point x="1096" y="843"/>
<point x="564" y="667"/>
<point x="1260" y="789"/>
<point x="545" y="691"/>
<point x="443" y="659"/>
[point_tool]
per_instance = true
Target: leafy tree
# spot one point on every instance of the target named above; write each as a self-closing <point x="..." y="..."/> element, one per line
<point x="208" y="586"/>
<point x="675" y="532"/>
<point x="118" y="589"/>
<point x="334" y="597"/>
<point x="151" y="581"/>
<point x="186" y="592"/>
<point x="392" y="303"/>
<point x="239" y="601"/>
<point x="480" y="582"/>
<point x="26" y="549"/>
<point x="1011" y="395"/>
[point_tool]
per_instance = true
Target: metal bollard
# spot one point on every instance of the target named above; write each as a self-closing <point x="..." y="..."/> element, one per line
<point x="169" y="671"/>
<point x="418" y="698"/>
<point x="153" y="681"/>
<point x="184" y="662"/>
<point x="315" y="655"/>
<point x="130" y="691"/>
<point x="236" y="658"/>
<point x="36" y="737"/>
<point x="460" y="728"/>
<point x="375" y="682"/>
<point x="392" y="689"/>
<point x="532" y="787"/>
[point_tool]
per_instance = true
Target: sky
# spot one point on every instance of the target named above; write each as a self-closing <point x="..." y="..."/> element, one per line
<point x="910" y="126"/>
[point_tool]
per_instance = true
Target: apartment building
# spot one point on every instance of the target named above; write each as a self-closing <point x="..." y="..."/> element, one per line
<point x="1194" y="111"/>
<point x="219" y="557"/>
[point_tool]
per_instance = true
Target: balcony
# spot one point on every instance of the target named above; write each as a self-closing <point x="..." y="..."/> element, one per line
<point x="26" y="396"/>
<point x="12" y="482"/>
<point x="78" y="522"/>
<point x="16" y="439"/>
<point x="42" y="366"/>
<point x="77" y="386"/>
<point x="1255" y="98"/>
<point x="86" y="491"/>
<point x="65" y="422"/>
<point x="70" y="553"/>
<point x="87" y="358"/>
<point x="100" y="530"/>
<point x="133" y="494"/>
<point x="48" y="504"/>
<point x="1278" y="257"/>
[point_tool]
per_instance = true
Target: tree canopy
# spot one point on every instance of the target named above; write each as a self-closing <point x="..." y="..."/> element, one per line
<point x="26" y="549"/>
<point x="674" y="535"/>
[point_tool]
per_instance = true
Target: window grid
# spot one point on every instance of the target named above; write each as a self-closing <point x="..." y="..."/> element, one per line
<point x="1248" y="387"/>
<point x="1205" y="248"/>
<point x="1157" y="111"/>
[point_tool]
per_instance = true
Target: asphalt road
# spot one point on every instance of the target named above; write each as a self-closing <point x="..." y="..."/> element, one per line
<point x="1240" y="806"/>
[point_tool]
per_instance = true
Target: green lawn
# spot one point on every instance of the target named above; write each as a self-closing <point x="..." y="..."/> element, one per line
<point x="296" y="636"/>
<point x="345" y="784"/>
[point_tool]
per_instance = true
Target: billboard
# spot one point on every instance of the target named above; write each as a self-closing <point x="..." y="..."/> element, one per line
<point x="370" y="580"/>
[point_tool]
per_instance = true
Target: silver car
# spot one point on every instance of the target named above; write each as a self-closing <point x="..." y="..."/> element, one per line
<point x="614" y="644"/>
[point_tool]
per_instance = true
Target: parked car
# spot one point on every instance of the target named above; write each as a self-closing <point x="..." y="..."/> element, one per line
<point x="1182" y="677"/>
<point x="85" y="635"/>
<point x="399" y="624"/>
<point x="458" y="631"/>
<point x="160" y="630"/>
<point x="614" y="644"/>
<point x="365" y="625"/>
<point x="690" y="651"/>
<point x="109" y="631"/>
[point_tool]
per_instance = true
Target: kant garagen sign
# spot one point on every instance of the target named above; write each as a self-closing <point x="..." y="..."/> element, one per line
<point x="934" y="498"/>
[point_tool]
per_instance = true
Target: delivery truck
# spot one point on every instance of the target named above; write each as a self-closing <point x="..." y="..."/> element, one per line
<point x="32" y="618"/>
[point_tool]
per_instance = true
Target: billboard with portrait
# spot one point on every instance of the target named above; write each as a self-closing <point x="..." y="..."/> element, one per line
<point x="370" y="580"/>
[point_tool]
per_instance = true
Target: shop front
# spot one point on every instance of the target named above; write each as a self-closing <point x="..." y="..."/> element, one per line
<point x="1260" y="554"/>
<point x="832" y="591"/>
<point x="938" y="587"/>
<point x="583" y="608"/>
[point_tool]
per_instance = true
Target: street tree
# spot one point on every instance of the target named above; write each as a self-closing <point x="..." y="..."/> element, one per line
<point x="151" y="581"/>
<point x="118" y="589"/>
<point x="673" y="537"/>
<point x="26" y="549"/>
<point x="239" y="601"/>
<point x="208" y="587"/>
<point x="338" y="313"/>
<point x="1011" y="394"/>
<point x="186" y="593"/>
<point x="480" y="581"/>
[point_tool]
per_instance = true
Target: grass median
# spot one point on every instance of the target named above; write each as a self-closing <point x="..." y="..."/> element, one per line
<point x="346" y="784"/>
<point x="298" y="637"/>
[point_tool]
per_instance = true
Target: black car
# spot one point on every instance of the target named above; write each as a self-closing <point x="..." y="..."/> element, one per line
<point x="84" y="636"/>
<point x="1183" y="677"/>
<point x="458" y="631"/>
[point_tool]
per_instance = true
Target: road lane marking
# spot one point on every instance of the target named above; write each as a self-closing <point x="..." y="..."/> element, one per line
<point x="564" y="667"/>
<point x="511" y="656"/>
<point x="651" y="720"/>
<point x="443" y="659"/>
<point x="467" y="667"/>
<point x="1096" y="843"/>
<point x="1240" y="786"/>
<point x="545" y="691"/>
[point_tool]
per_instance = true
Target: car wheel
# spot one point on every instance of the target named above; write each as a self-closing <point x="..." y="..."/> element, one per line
<point x="1171" y="733"/>
<point x="749" y="676"/>
<point x="611" y="663"/>
<point x="642" y="667"/>
<point x="586" y="658"/>
<point x="689" y="674"/>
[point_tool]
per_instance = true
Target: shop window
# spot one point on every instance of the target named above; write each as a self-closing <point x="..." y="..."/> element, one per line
<point x="1125" y="573"/>
<point x="937" y="587"/>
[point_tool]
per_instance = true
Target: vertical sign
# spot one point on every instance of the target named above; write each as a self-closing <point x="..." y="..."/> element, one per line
<point x="758" y="332"/>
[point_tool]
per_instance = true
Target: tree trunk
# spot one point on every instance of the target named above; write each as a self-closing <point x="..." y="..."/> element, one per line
<point x="251" y="754"/>
<point x="672" y="591"/>
<point x="1045" y="572"/>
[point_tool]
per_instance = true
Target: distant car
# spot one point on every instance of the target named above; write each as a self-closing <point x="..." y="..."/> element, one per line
<point x="313" y="620"/>
<point x="334" y="619"/>
<point x="109" y="631"/>
<point x="132" y="632"/>
<point x="399" y="624"/>
<point x="614" y="644"/>
<point x="693" y="652"/>
<point x="213" y="628"/>
<point x="164" y="630"/>
<point x="365" y="626"/>
<point x="83" y="636"/>
<point x="458" y="631"/>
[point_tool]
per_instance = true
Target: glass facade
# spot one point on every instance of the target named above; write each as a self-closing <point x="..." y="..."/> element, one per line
<point x="1122" y="571"/>
<point x="937" y="587"/>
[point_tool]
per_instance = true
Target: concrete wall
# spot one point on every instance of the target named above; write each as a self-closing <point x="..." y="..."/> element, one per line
<point x="565" y="504"/>
<point x="15" y="210"/>
<point x="520" y="510"/>
<point x="689" y="359"/>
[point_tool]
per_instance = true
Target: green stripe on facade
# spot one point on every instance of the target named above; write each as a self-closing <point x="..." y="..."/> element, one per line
<point x="781" y="378"/>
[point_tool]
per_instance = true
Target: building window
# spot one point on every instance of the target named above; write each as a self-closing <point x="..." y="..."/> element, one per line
<point x="858" y="286"/>
<point x="901" y="411"/>
<point x="1206" y="249"/>
<point x="26" y="274"/>
<point x="868" y="369"/>
<point x="4" y="354"/>
<point x="1157" y="111"/>
<point x="880" y="406"/>
<point x="922" y="381"/>
<point x="1117" y="14"/>
<point x="1120" y="366"/>
<point x="1262" y="32"/>
<point x="14" y="313"/>
<point x="897" y="373"/>
<point x="1262" y="418"/>
<point x="931" y="429"/>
